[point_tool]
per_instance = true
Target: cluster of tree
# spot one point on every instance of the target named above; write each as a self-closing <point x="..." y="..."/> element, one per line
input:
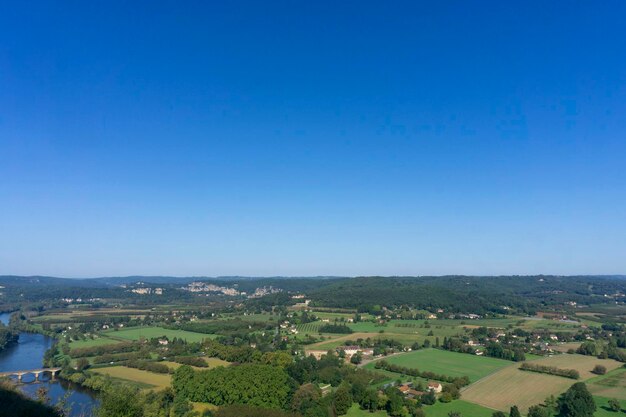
<point x="245" y="354"/>
<point x="611" y="350"/>
<point x="353" y="385"/>
<point x="458" y="381"/>
<point x="191" y="360"/>
<point x="125" y="401"/>
<point x="335" y="328"/>
<point x="230" y="353"/>
<point x="224" y="327"/>
<point x="235" y="385"/>
<point x="93" y="381"/>
<point x="496" y="350"/>
<point x="551" y="370"/>
<point x="152" y="366"/>
<point x="8" y="336"/>
<point x="588" y="348"/>
<point x="492" y="349"/>
<point x="308" y="399"/>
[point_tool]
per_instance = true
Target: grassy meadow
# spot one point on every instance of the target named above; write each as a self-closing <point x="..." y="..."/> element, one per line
<point x="100" y="340"/>
<point x="143" y="379"/>
<point x="136" y="333"/>
<point x="466" y="409"/>
<point x="447" y="363"/>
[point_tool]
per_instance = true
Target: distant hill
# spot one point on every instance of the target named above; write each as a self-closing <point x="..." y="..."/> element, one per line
<point x="38" y="280"/>
<point x="116" y="281"/>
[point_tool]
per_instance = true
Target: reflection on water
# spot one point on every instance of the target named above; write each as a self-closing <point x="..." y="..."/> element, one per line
<point x="28" y="354"/>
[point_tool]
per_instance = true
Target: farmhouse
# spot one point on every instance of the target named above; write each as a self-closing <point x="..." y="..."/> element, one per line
<point x="404" y="389"/>
<point x="411" y="393"/>
<point x="351" y="350"/>
<point x="435" y="387"/>
<point x="317" y="354"/>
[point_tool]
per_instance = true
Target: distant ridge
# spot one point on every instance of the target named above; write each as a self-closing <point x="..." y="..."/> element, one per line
<point x="165" y="279"/>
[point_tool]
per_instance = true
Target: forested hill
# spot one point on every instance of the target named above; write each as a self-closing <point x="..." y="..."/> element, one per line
<point x="464" y="293"/>
<point x="475" y="294"/>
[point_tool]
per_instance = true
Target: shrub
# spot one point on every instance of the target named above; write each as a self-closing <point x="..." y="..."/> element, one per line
<point x="599" y="370"/>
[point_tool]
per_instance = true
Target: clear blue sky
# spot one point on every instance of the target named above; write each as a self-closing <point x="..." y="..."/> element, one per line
<point x="306" y="138"/>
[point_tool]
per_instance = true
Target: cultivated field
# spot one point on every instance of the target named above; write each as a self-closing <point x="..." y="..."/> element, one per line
<point x="136" y="333"/>
<point x="583" y="364"/>
<point x="511" y="386"/>
<point x="447" y="363"/>
<point x="144" y="378"/>
<point x="310" y="328"/>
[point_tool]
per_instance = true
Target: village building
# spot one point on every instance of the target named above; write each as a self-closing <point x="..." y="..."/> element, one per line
<point x="435" y="387"/>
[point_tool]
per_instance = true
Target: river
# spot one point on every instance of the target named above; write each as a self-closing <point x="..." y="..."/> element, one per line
<point x="28" y="354"/>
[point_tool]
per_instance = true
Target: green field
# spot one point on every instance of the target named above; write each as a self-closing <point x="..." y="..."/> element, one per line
<point x="466" y="409"/>
<point x="310" y="328"/>
<point x="603" y="409"/>
<point x="335" y="340"/>
<point x="99" y="341"/>
<point x="447" y="363"/>
<point x="143" y="379"/>
<point x="136" y="333"/>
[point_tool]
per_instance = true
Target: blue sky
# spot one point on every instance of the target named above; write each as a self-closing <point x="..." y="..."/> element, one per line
<point x="312" y="138"/>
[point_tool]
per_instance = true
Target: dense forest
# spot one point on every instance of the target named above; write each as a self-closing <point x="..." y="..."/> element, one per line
<point x="462" y="294"/>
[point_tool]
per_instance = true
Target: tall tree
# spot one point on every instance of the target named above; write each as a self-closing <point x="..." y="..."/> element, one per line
<point x="343" y="399"/>
<point x="577" y="402"/>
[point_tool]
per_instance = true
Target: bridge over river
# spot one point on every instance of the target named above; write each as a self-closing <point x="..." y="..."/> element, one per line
<point x="36" y="372"/>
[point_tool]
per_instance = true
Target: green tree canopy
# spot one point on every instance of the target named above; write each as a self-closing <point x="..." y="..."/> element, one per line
<point x="577" y="402"/>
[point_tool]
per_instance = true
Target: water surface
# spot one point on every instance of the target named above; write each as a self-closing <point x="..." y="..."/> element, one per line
<point x="27" y="355"/>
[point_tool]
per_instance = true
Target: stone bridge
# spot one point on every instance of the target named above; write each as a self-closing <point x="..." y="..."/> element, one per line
<point x="36" y="372"/>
